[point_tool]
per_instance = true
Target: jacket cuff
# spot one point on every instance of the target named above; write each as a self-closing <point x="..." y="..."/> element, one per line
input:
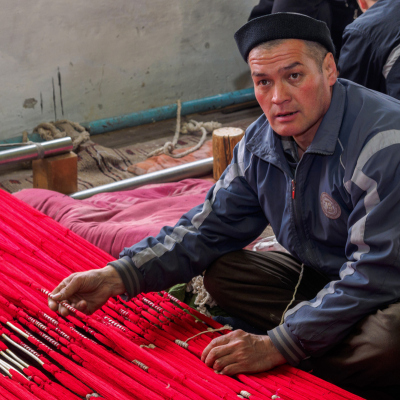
<point x="287" y="344"/>
<point x="130" y="275"/>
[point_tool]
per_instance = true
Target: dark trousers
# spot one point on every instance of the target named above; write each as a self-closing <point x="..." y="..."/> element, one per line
<point x="256" y="287"/>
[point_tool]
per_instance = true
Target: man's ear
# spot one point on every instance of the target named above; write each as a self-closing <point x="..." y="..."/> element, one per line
<point x="363" y="5"/>
<point x="329" y="69"/>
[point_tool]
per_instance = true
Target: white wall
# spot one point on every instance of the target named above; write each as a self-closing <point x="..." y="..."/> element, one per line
<point x="113" y="57"/>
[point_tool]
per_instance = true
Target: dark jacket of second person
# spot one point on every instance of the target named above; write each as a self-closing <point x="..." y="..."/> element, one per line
<point x="370" y="54"/>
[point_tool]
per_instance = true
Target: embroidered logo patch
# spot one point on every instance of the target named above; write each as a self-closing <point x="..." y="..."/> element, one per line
<point x="329" y="206"/>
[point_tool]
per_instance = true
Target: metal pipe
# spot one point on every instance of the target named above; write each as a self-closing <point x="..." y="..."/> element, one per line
<point x="189" y="170"/>
<point x="166" y="112"/>
<point x="36" y="150"/>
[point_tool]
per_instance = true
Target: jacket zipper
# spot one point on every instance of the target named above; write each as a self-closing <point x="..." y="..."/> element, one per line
<point x="293" y="188"/>
<point x="307" y="249"/>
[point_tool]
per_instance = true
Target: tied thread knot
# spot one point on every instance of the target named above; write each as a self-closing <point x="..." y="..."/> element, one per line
<point x="190" y="127"/>
<point x="149" y="346"/>
<point x="39" y="148"/>
<point x="141" y="365"/>
<point x="185" y="344"/>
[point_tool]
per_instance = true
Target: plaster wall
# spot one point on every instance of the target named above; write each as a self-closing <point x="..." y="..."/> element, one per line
<point x="91" y="59"/>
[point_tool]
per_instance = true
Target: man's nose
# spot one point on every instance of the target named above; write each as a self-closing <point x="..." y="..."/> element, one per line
<point x="280" y="93"/>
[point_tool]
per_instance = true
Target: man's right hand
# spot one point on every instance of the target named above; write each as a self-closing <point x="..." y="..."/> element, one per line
<point x="87" y="291"/>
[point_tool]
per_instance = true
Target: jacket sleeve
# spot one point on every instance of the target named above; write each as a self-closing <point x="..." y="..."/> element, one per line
<point x="370" y="279"/>
<point x="229" y="219"/>
<point x="393" y="78"/>
<point x="358" y="61"/>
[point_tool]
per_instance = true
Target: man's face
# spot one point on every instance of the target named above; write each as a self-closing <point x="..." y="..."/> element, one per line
<point x="291" y="89"/>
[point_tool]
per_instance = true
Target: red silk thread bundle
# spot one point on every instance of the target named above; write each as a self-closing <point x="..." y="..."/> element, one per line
<point x="126" y="350"/>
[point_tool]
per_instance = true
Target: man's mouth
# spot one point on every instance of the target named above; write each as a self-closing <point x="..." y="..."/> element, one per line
<point x="285" y="114"/>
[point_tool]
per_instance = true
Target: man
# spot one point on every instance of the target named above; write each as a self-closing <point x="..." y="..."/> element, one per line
<point x="321" y="166"/>
<point x="370" y="54"/>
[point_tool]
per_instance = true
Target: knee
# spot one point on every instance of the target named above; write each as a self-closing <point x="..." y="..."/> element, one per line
<point x="217" y="274"/>
<point x="385" y="331"/>
<point x="212" y="277"/>
<point x="376" y="339"/>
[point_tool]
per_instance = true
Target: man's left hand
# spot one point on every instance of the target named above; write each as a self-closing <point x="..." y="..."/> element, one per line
<point x="242" y="352"/>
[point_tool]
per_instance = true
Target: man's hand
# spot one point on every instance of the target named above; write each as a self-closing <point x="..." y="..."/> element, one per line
<point x="87" y="291"/>
<point x="240" y="352"/>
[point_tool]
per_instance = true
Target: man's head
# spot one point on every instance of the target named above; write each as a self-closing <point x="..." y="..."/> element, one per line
<point x="293" y="71"/>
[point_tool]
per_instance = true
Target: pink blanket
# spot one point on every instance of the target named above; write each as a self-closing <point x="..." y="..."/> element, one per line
<point x="116" y="220"/>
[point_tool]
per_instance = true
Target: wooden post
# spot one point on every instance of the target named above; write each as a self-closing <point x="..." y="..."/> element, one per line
<point x="58" y="173"/>
<point x="224" y="140"/>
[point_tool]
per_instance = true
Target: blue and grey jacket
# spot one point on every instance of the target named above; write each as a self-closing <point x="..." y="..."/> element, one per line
<point x="370" y="54"/>
<point x="338" y="212"/>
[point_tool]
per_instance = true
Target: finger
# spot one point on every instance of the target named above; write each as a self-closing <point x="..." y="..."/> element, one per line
<point x="214" y="343"/>
<point x="53" y="305"/>
<point x="81" y="305"/>
<point x="216" y="353"/>
<point x="61" y="285"/>
<point x="63" y="310"/>
<point x="52" y="300"/>
<point x="232" y="369"/>
<point x="221" y="362"/>
<point x="68" y="288"/>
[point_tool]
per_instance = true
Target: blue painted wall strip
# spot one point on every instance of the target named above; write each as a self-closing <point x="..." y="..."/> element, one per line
<point x="33" y="137"/>
<point x="158" y="114"/>
<point x="166" y="112"/>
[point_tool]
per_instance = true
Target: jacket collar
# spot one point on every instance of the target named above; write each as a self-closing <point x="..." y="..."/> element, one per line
<point x="267" y="144"/>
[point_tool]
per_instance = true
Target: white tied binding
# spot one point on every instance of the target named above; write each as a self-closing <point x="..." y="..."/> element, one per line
<point x="188" y="127"/>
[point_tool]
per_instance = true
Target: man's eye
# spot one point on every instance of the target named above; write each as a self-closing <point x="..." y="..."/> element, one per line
<point x="263" y="82"/>
<point x="295" y="75"/>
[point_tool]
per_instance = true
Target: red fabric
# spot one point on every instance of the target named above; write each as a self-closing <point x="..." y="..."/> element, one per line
<point x="158" y="163"/>
<point x="112" y="221"/>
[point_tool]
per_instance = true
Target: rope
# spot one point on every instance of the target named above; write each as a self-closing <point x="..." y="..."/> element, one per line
<point x="190" y="127"/>
<point x="203" y="298"/>
<point x="294" y="294"/>
<point x="26" y="142"/>
<point x="209" y="330"/>
<point x="63" y="128"/>
<point x="40" y="150"/>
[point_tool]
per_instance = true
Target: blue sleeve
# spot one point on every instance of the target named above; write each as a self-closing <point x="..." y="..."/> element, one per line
<point x="370" y="279"/>
<point x="229" y="219"/>
<point x="358" y="60"/>
<point x="393" y="79"/>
